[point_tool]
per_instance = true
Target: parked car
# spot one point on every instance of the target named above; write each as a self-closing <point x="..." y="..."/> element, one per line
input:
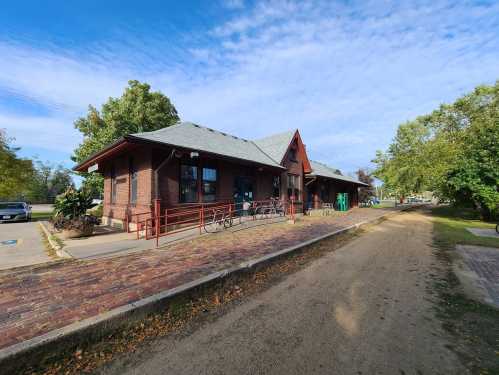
<point x="14" y="211"/>
<point x="95" y="202"/>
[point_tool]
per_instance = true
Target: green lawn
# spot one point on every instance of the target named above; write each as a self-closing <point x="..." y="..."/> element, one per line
<point x="471" y="323"/>
<point x="41" y="215"/>
<point x="382" y="205"/>
<point x="451" y="224"/>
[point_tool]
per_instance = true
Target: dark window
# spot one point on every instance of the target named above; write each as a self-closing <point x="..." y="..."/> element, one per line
<point x="294" y="186"/>
<point x="292" y="154"/>
<point x="276" y="186"/>
<point x="133" y="182"/>
<point x="113" y="185"/>
<point x="188" y="183"/>
<point x="209" y="184"/>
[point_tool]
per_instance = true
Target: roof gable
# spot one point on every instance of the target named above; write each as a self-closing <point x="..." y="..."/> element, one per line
<point x="197" y="137"/>
<point x="276" y="146"/>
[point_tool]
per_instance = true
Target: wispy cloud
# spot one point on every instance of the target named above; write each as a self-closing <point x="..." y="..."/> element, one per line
<point x="41" y="132"/>
<point x="233" y="4"/>
<point x="346" y="75"/>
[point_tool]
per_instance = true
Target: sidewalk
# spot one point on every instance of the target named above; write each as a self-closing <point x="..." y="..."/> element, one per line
<point x="37" y="300"/>
<point x="119" y="243"/>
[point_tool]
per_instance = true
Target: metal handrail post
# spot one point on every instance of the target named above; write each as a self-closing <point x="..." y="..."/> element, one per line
<point x="166" y="220"/>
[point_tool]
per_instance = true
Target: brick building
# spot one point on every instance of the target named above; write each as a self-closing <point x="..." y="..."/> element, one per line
<point x="188" y="164"/>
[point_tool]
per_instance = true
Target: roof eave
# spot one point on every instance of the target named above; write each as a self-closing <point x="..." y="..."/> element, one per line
<point x="81" y="167"/>
<point x="335" y="178"/>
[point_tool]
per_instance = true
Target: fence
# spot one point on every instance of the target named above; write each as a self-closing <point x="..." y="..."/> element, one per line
<point x="208" y="217"/>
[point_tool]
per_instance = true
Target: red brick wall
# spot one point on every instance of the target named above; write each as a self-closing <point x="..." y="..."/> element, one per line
<point x="226" y="172"/>
<point x="296" y="168"/>
<point x="142" y="161"/>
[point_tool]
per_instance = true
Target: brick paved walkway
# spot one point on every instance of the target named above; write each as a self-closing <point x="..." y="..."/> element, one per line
<point x="484" y="262"/>
<point x="37" y="300"/>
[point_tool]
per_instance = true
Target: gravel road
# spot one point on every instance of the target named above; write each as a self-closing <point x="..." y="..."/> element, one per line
<point x="363" y="309"/>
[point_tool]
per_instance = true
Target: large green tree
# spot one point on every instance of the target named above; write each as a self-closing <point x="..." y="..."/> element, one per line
<point x="453" y="151"/>
<point x="402" y="167"/>
<point x="475" y="175"/>
<point x="366" y="192"/>
<point x="15" y="173"/>
<point x="138" y="110"/>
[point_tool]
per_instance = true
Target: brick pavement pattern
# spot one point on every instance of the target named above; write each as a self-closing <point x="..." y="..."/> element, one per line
<point x="36" y="300"/>
<point x="484" y="262"/>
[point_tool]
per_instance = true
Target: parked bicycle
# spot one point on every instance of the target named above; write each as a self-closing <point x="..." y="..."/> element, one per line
<point x="273" y="209"/>
<point x="218" y="220"/>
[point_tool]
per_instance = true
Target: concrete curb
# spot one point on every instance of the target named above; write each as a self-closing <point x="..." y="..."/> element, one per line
<point x="53" y="244"/>
<point x="98" y="325"/>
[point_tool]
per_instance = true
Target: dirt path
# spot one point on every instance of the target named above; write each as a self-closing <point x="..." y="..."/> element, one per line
<point x="363" y="309"/>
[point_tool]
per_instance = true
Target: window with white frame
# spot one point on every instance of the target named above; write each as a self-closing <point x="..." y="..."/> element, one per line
<point x="294" y="186"/>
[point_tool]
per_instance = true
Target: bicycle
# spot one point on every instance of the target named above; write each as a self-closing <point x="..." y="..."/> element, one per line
<point x="275" y="208"/>
<point x="219" y="220"/>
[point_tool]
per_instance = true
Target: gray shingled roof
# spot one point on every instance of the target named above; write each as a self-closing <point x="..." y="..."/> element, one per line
<point x="196" y="137"/>
<point x="323" y="170"/>
<point x="276" y="145"/>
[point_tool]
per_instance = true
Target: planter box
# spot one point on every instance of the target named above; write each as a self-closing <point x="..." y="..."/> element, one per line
<point x="76" y="233"/>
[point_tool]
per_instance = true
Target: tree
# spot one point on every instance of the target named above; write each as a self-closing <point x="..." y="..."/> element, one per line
<point x="453" y="151"/>
<point x="402" y="167"/>
<point x="48" y="182"/>
<point x="15" y="173"/>
<point x="137" y="110"/>
<point x="475" y="176"/>
<point x="365" y="193"/>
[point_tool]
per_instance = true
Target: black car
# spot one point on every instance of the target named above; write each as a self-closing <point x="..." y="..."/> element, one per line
<point x="14" y="211"/>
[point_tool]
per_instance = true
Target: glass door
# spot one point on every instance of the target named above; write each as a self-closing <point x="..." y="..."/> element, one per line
<point x="243" y="191"/>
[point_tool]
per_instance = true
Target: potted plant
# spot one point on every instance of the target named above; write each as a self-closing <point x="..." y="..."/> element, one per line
<point x="70" y="214"/>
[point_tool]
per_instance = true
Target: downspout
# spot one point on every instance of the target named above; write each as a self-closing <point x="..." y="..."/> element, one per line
<point x="156" y="173"/>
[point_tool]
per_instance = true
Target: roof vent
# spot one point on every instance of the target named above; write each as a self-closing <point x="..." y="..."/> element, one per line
<point x="223" y="134"/>
<point x="211" y="130"/>
<point x="197" y="126"/>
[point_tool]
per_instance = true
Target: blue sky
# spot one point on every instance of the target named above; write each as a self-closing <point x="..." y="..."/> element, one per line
<point x="345" y="73"/>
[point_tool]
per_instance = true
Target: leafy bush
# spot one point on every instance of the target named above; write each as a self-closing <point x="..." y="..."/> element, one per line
<point x="72" y="204"/>
<point x="97" y="211"/>
<point x="70" y="211"/>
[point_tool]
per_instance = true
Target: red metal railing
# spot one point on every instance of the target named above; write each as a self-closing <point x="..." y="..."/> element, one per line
<point x="139" y="219"/>
<point x="170" y="221"/>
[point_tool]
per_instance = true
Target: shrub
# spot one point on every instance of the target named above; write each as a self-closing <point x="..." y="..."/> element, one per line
<point x="72" y="204"/>
<point x="70" y="211"/>
<point x="97" y="211"/>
